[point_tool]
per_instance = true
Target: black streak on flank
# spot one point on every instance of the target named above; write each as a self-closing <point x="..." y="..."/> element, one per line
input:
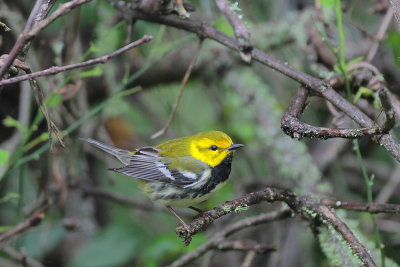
<point x="219" y="174"/>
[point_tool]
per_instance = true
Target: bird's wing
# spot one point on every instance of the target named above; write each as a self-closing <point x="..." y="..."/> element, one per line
<point x="121" y="154"/>
<point x="148" y="165"/>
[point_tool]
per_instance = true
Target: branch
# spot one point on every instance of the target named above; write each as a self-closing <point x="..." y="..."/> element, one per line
<point x="293" y="127"/>
<point x="32" y="221"/>
<point x="244" y="246"/>
<point x="396" y="8"/>
<point x="61" y="10"/>
<point x="44" y="10"/>
<point x="248" y="260"/>
<point x="367" y="75"/>
<point x="361" y="29"/>
<point x="38" y="93"/>
<point x="22" y="39"/>
<point x="21" y="257"/>
<point x="307" y="207"/>
<point x="383" y="27"/>
<point x="58" y="69"/>
<point x="230" y="229"/>
<point x="35" y="23"/>
<point x="362" y="206"/>
<point x="364" y="65"/>
<point x="242" y="34"/>
<point x="390" y="121"/>
<point x="41" y="102"/>
<point x="317" y="86"/>
<point x="96" y="192"/>
<point x="185" y="79"/>
<point x="22" y="45"/>
<point x="341" y="228"/>
<point x="4" y="27"/>
<point x="201" y="223"/>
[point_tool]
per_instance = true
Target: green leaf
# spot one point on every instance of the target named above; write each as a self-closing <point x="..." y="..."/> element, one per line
<point x="11" y="122"/>
<point x="222" y="25"/>
<point x="93" y="49"/>
<point x="54" y="100"/>
<point x="394" y="41"/>
<point x="363" y="91"/>
<point x="336" y="68"/>
<point x="37" y="140"/>
<point x="327" y="3"/>
<point x="4" y="156"/>
<point x="97" y="71"/>
<point x="8" y="197"/>
<point x="366" y="92"/>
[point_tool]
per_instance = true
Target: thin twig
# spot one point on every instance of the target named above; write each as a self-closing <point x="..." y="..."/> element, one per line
<point x="32" y="221"/>
<point x="21" y="257"/>
<point x="363" y="31"/>
<point x="341" y="228"/>
<point x="4" y="27"/>
<point x="44" y="10"/>
<point x="396" y="8"/>
<point x="364" y="65"/>
<point x="369" y="207"/>
<point x="41" y="102"/>
<point x="390" y="186"/>
<point x="21" y="46"/>
<point x="21" y="39"/>
<point x="60" y="181"/>
<point x="383" y="27"/>
<point x="70" y="35"/>
<point x="384" y="96"/>
<point x="242" y="245"/>
<point x="58" y="69"/>
<point x="185" y="79"/>
<point x="97" y="192"/>
<point x="248" y="260"/>
<point x="60" y="11"/>
<point x="242" y="34"/>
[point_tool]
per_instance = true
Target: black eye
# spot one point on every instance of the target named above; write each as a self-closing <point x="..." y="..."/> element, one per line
<point x="213" y="147"/>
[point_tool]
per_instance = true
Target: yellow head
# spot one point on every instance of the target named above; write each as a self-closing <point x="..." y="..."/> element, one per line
<point x="210" y="147"/>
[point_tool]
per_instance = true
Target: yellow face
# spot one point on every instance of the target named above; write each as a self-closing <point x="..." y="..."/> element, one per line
<point x="210" y="147"/>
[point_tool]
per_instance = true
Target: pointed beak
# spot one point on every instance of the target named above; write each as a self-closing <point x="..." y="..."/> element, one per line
<point x="234" y="147"/>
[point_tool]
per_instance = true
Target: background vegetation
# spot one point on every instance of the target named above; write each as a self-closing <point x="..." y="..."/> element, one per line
<point x="79" y="214"/>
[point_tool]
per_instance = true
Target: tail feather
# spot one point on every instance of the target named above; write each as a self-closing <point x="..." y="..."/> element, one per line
<point x="121" y="154"/>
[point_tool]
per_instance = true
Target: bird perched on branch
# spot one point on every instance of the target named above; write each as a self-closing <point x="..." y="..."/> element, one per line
<point x="181" y="172"/>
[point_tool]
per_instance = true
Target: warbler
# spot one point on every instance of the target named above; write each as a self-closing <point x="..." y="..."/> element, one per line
<point x="181" y="172"/>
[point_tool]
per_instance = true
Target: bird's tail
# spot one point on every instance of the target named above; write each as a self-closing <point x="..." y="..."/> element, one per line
<point x="121" y="154"/>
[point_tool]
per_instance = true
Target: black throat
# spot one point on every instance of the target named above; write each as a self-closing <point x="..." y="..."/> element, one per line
<point x="219" y="174"/>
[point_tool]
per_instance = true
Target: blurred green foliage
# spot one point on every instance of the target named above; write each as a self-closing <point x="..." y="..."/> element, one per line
<point x="246" y="101"/>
